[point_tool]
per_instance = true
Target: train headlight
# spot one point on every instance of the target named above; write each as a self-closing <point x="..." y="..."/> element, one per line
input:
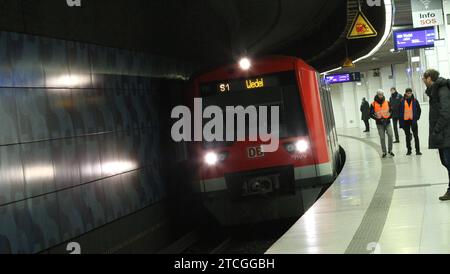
<point x="212" y="158"/>
<point x="299" y="147"/>
<point x="245" y="64"/>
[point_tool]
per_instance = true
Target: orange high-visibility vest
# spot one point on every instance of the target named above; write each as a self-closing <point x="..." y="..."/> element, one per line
<point x="408" y="111"/>
<point x="382" y="111"/>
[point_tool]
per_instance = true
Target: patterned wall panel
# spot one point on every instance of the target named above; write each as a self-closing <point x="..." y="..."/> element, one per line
<point x="80" y="140"/>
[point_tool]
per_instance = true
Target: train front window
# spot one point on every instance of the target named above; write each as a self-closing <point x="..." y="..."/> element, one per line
<point x="279" y="90"/>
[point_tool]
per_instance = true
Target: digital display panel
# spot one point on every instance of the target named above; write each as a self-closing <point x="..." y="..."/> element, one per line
<point x="414" y="38"/>
<point x="248" y="84"/>
<point x="343" y="78"/>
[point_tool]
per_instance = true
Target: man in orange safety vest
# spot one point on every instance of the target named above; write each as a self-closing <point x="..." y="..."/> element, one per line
<point x="410" y="112"/>
<point x="381" y="112"/>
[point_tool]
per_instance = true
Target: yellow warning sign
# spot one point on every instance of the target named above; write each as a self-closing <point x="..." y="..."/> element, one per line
<point x="361" y="28"/>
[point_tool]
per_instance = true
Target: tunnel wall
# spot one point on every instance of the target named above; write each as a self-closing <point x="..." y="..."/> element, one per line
<point x="80" y="137"/>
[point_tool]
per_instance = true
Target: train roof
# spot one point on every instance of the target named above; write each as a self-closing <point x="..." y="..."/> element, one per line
<point x="262" y="65"/>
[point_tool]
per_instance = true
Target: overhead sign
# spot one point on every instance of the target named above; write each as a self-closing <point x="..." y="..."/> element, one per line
<point x="343" y="77"/>
<point x="361" y="28"/>
<point x="414" y="38"/>
<point x="427" y="13"/>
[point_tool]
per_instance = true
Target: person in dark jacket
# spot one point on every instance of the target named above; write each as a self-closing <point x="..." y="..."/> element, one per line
<point x="381" y="112"/>
<point x="439" y="93"/>
<point x="395" y="100"/>
<point x="365" y="113"/>
<point x="410" y="112"/>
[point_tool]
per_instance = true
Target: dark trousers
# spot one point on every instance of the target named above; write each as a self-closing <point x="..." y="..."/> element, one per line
<point x="396" y="129"/>
<point x="366" y="122"/>
<point x="407" y="127"/>
<point x="445" y="160"/>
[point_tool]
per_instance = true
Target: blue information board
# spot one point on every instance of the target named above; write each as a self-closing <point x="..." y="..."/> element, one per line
<point x="343" y="77"/>
<point x="414" y="38"/>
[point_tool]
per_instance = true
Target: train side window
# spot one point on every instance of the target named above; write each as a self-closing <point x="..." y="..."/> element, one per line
<point x="333" y="132"/>
<point x="332" y="119"/>
<point x="326" y="117"/>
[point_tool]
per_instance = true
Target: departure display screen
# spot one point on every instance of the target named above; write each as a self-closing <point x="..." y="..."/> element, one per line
<point x="343" y="77"/>
<point x="414" y="38"/>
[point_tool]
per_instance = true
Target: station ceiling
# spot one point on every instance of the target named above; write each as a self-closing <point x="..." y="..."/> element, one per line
<point x="384" y="57"/>
<point x="205" y="32"/>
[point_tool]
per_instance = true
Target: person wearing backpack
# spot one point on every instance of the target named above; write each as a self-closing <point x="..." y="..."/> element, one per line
<point x="439" y="93"/>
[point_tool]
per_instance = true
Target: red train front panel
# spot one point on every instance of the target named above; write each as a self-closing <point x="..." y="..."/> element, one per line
<point x="313" y="161"/>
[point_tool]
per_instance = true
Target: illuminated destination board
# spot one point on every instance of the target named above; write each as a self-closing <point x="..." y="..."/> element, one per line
<point x="414" y="38"/>
<point x="343" y="78"/>
<point x="248" y="84"/>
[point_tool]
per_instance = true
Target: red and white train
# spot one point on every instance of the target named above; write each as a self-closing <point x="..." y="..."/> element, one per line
<point x="240" y="183"/>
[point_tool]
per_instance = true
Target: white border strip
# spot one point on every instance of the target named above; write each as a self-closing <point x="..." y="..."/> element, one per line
<point x="387" y="31"/>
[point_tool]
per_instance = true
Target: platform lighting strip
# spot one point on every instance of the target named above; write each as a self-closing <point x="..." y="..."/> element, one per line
<point x="387" y="32"/>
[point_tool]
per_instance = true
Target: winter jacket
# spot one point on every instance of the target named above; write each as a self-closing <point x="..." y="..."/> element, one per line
<point x="365" y="111"/>
<point x="417" y="111"/>
<point x="380" y="121"/>
<point x="395" y="101"/>
<point x="439" y="94"/>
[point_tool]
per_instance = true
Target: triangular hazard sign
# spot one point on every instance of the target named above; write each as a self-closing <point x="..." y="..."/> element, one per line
<point x="361" y="28"/>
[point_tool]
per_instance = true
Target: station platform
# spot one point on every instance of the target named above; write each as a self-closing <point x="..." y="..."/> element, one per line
<point x="376" y="206"/>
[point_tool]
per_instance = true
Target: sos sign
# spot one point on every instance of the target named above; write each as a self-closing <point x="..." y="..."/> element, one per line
<point x="428" y="18"/>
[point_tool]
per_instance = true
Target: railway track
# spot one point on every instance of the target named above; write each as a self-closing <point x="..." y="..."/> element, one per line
<point x="250" y="239"/>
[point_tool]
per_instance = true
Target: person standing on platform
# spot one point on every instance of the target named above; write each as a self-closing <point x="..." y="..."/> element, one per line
<point x="365" y="113"/>
<point x="410" y="112"/>
<point x="381" y="111"/>
<point x="395" y="100"/>
<point x="439" y="93"/>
